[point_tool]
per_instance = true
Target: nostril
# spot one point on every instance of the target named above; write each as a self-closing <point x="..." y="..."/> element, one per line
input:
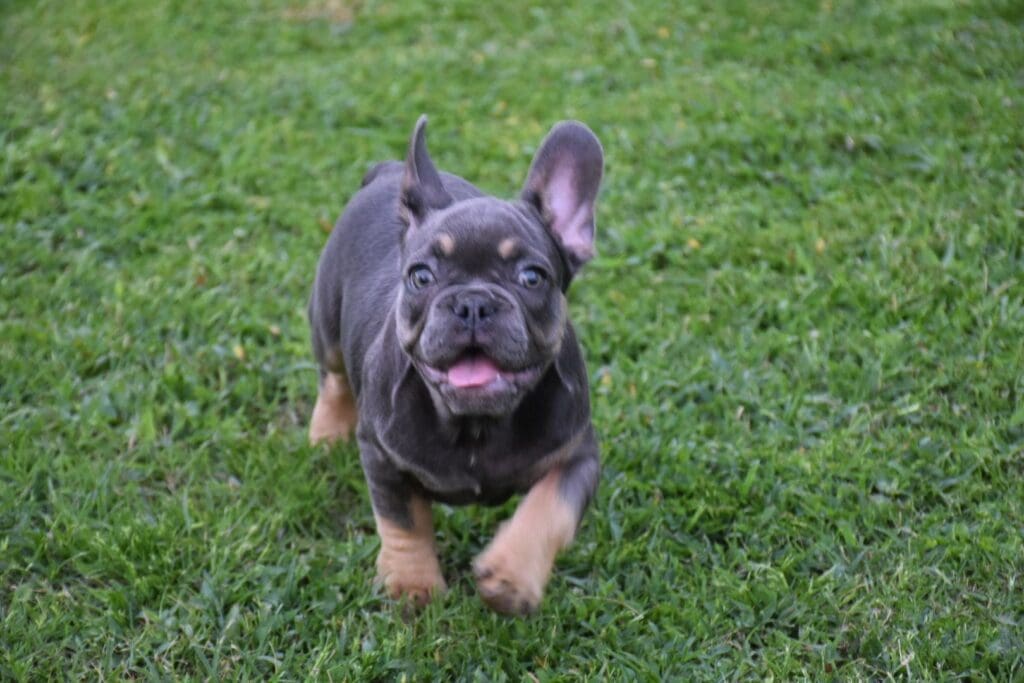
<point x="474" y="309"/>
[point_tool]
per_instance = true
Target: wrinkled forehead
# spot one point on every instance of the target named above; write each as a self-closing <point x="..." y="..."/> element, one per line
<point x="474" y="230"/>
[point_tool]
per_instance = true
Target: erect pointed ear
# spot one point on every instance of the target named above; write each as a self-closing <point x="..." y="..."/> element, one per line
<point x="562" y="184"/>
<point x="422" y="191"/>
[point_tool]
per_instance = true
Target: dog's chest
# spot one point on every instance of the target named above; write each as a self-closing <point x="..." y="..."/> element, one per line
<point x="484" y="468"/>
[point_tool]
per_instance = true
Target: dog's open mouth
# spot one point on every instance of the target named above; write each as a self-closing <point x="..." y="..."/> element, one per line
<point x="474" y="370"/>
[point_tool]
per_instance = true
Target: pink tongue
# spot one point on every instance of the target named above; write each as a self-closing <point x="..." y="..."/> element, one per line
<point x="472" y="372"/>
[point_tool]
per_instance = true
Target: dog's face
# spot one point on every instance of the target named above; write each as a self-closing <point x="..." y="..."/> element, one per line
<point x="482" y="311"/>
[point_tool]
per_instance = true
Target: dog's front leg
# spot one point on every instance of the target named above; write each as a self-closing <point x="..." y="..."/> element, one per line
<point x="407" y="564"/>
<point x="514" y="569"/>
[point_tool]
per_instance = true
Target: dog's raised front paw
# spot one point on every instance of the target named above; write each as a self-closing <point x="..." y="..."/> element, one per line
<point x="509" y="582"/>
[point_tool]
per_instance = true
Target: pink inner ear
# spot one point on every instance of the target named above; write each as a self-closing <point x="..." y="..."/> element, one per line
<point x="571" y="219"/>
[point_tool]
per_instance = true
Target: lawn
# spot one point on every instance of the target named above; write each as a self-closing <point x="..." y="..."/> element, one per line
<point x="804" y="332"/>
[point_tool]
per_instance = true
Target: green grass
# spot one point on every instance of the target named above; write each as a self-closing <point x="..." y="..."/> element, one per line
<point x="805" y="334"/>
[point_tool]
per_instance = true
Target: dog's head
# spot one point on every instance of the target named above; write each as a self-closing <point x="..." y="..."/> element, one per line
<point x="482" y="310"/>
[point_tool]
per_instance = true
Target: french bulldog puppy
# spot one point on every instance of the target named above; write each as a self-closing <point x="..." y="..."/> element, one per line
<point x="440" y="325"/>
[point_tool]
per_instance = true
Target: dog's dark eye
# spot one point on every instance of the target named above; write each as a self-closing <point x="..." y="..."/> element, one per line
<point x="531" y="277"/>
<point x="420" y="277"/>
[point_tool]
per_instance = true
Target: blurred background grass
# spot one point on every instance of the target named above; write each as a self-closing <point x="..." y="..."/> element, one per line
<point x="804" y="332"/>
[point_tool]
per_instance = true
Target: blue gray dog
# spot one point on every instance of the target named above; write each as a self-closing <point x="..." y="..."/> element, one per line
<point x="440" y="324"/>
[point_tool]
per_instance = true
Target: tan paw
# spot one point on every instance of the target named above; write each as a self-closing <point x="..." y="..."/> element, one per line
<point x="509" y="580"/>
<point x="417" y="583"/>
<point x="407" y="565"/>
<point x="513" y="570"/>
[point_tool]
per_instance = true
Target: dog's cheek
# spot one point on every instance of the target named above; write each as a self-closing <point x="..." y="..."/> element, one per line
<point x="409" y="322"/>
<point x="432" y="338"/>
<point x="519" y="338"/>
<point x="548" y="320"/>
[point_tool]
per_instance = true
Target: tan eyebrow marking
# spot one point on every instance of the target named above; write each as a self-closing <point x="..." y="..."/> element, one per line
<point x="507" y="248"/>
<point x="446" y="243"/>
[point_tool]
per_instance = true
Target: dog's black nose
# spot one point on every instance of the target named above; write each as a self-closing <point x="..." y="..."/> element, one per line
<point x="474" y="308"/>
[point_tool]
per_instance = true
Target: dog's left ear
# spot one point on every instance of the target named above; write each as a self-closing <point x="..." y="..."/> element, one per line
<point x="562" y="184"/>
<point x="422" y="190"/>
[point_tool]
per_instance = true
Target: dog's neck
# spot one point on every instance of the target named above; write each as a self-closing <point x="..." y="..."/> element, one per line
<point x="464" y="430"/>
<point x="473" y="429"/>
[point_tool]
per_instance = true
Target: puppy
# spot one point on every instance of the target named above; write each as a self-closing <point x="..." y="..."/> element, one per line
<point x="440" y="325"/>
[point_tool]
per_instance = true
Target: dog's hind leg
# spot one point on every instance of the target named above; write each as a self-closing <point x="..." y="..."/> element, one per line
<point x="334" y="416"/>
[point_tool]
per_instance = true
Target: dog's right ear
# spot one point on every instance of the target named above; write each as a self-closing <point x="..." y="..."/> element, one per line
<point x="422" y="191"/>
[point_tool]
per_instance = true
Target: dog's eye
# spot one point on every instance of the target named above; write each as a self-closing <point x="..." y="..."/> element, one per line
<point x="531" y="277"/>
<point x="420" y="277"/>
